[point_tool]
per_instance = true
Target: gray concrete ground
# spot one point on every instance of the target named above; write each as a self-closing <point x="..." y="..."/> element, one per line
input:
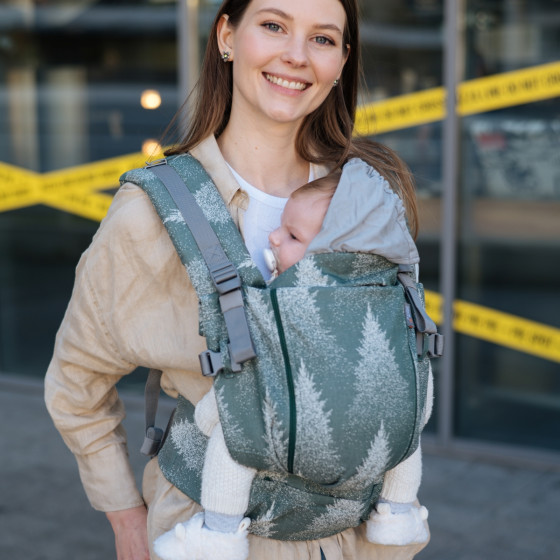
<point x="478" y="511"/>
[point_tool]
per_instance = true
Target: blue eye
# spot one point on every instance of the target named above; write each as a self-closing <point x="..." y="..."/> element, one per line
<point x="322" y="40"/>
<point x="272" y="26"/>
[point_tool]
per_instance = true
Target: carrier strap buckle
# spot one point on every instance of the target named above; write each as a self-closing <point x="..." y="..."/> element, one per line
<point x="153" y="437"/>
<point x="435" y="345"/>
<point x="152" y="441"/>
<point x="156" y="162"/>
<point x="223" y="273"/>
<point x="211" y="363"/>
<point x="240" y="343"/>
<point x="428" y="341"/>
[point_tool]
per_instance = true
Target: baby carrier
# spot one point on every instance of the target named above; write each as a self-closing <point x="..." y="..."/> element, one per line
<point x="320" y="376"/>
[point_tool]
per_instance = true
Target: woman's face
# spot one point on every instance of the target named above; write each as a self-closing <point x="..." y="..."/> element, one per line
<point x="286" y="56"/>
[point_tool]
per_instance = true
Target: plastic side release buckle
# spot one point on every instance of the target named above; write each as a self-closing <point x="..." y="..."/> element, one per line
<point x="430" y="345"/>
<point x="241" y="346"/>
<point x="435" y="345"/>
<point x="225" y="277"/>
<point x="152" y="441"/>
<point x="156" y="162"/>
<point x="211" y="363"/>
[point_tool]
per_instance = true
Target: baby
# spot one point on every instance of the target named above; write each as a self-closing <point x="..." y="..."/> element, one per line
<point x="221" y="530"/>
<point x="301" y="221"/>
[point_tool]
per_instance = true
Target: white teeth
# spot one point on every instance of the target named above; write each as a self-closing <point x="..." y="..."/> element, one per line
<point x="284" y="83"/>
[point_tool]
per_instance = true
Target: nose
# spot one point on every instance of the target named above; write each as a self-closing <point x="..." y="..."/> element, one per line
<point x="273" y="238"/>
<point x="295" y="52"/>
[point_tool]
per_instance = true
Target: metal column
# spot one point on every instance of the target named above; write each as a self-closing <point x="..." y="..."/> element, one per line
<point x="454" y="47"/>
<point x="187" y="43"/>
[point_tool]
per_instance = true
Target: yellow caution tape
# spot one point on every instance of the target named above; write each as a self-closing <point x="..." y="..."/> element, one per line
<point x="499" y="327"/>
<point x="511" y="88"/>
<point x="434" y="306"/>
<point x="401" y="112"/>
<point x="18" y="188"/>
<point x="93" y="206"/>
<point x="76" y="189"/>
<point x="91" y="176"/>
<point x="474" y="96"/>
<point x="71" y="190"/>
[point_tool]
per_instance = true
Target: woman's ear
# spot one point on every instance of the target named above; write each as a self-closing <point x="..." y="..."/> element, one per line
<point x="224" y="35"/>
<point x="347" y="53"/>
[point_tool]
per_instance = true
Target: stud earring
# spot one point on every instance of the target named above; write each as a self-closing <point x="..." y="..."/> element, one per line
<point x="335" y="83"/>
<point x="225" y="56"/>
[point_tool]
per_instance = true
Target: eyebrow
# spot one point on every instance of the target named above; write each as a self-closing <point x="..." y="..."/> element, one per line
<point x="281" y="13"/>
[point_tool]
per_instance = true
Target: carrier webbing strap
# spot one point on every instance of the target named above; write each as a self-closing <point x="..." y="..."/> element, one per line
<point x="223" y="272"/>
<point x="153" y="437"/>
<point x="423" y="323"/>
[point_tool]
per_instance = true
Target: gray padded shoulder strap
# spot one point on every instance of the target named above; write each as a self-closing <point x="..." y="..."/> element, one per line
<point x="228" y="285"/>
<point x="224" y="274"/>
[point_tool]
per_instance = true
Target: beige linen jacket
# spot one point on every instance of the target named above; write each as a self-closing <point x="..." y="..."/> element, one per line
<point x="133" y="305"/>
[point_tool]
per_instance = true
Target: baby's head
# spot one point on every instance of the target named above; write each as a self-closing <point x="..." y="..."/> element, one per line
<point x="301" y="220"/>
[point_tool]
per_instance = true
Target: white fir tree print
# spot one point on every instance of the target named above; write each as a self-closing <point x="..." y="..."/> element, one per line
<point x="174" y="216"/>
<point x="308" y="274"/>
<point x="361" y="265"/>
<point x="377" y="372"/>
<point x="373" y="466"/>
<point x="260" y="314"/>
<point x="316" y="454"/>
<point x="338" y="516"/>
<point x="307" y="333"/>
<point x="246" y="263"/>
<point x="276" y="443"/>
<point x="264" y="526"/>
<point x="200" y="277"/>
<point x="264" y="334"/>
<point x="227" y="420"/>
<point x="187" y="438"/>
<point x="209" y="199"/>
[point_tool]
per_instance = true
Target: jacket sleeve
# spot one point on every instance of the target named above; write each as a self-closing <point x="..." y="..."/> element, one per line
<point x="88" y="361"/>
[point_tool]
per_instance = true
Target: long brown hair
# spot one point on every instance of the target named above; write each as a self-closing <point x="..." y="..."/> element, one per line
<point x="325" y="136"/>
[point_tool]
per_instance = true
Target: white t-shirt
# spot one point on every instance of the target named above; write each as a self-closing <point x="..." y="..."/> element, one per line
<point x="263" y="216"/>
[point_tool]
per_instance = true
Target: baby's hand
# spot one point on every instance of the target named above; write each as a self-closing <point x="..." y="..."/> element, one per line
<point x="403" y="526"/>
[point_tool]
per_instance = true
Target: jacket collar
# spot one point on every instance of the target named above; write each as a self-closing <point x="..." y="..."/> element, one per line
<point x="209" y="155"/>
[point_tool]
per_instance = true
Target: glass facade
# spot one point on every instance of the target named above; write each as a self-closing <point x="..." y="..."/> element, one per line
<point x="89" y="80"/>
<point x="73" y="79"/>
<point x="509" y="225"/>
<point x="403" y="54"/>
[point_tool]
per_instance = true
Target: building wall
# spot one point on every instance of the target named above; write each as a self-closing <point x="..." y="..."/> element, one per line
<point x="75" y="79"/>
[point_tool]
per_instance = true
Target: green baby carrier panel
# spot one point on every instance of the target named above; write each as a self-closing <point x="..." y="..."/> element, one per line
<point x="336" y="394"/>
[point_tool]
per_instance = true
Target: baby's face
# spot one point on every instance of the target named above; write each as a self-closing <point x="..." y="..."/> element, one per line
<point x="301" y="221"/>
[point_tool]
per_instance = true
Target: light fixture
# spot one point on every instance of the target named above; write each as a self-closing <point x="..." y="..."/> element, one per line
<point x="150" y="99"/>
<point x="151" y="147"/>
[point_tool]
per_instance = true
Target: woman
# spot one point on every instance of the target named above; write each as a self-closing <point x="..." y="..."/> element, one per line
<point x="275" y="108"/>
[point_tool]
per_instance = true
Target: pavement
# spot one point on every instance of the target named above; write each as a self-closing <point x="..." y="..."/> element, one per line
<point x="478" y="510"/>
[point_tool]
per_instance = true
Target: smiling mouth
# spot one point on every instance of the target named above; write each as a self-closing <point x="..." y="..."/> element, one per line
<point x="300" y="86"/>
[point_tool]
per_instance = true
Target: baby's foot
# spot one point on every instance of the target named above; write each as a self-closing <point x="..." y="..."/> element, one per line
<point x="405" y="526"/>
<point x="193" y="541"/>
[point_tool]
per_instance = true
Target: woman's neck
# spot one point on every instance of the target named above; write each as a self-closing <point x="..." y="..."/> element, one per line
<point x="268" y="161"/>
